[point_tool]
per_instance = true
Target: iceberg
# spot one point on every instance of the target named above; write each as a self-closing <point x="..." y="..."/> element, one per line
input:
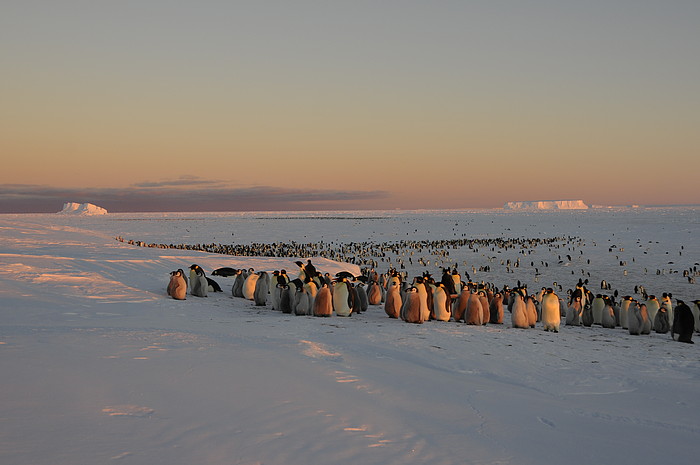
<point x="546" y="205"/>
<point x="82" y="209"/>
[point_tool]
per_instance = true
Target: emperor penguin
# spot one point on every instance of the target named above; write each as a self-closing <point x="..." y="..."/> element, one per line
<point x="608" y="314"/>
<point x="457" y="279"/>
<point x="696" y="314"/>
<point x="342" y="303"/>
<point x="460" y="306"/>
<point x="587" y="316"/>
<point x="302" y="301"/>
<point x="419" y="285"/>
<point x="285" y="298"/>
<point x="634" y="319"/>
<point x="212" y="286"/>
<point x="486" y="312"/>
<point x="474" y="314"/>
<point x="496" y="309"/>
<point x="249" y="286"/>
<point x="225" y="272"/>
<point x="411" y="310"/>
<point x="198" y="282"/>
<point x="237" y="288"/>
<point x="551" y="315"/>
<point x="531" y="310"/>
<point x="177" y="288"/>
<point x="518" y="313"/>
<point x="646" y="322"/>
<point x="277" y="295"/>
<point x="666" y="303"/>
<point x="363" y="300"/>
<point x="652" y="305"/>
<point x="392" y="304"/>
<point x="624" y="310"/>
<point x="323" y="302"/>
<point x="441" y="303"/>
<point x="374" y="293"/>
<point x="312" y="289"/>
<point x="683" y="323"/>
<point x="597" y="307"/>
<point x="573" y="313"/>
<point x="171" y="282"/>
<point x="261" y="289"/>
<point x="661" y="323"/>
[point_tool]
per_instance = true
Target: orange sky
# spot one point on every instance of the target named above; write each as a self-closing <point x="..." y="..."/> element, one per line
<point x="398" y="105"/>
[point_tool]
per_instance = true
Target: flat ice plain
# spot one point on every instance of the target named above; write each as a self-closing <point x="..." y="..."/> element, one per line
<point x="100" y="366"/>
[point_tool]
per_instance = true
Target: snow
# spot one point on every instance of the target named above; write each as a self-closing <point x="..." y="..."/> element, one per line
<point x="74" y="208"/>
<point x="100" y="365"/>
<point x="546" y="205"/>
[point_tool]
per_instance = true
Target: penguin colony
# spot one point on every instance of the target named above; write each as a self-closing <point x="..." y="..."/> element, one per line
<point x="410" y="254"/>
<point x="423" y="298"/>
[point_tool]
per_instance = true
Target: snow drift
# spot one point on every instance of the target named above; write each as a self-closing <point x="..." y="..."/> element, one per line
<point x="82" y="209"/>
<point x="546" y="205"/>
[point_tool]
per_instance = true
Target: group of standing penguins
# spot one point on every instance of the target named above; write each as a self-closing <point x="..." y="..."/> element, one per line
<point x="450" y="299"/>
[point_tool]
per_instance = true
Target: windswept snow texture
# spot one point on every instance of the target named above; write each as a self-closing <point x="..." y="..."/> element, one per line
<point x="99" y="365"/>
<point x="74" y="208"/>
<point x="546" y="205"/>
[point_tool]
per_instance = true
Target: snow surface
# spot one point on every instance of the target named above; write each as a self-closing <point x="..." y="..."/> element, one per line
<point x="74" y="208"/>
<point x="546" y="205"/>
<point x="100" y="366"/>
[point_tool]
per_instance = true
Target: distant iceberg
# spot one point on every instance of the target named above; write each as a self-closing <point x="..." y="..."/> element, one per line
<point x="546" y="205"/>
<point x="74" y="208"/>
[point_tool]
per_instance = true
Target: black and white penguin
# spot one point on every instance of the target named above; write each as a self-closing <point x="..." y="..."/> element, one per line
<point x="441" y="303"/>
<point x="224" y="272"/>
<point x="237" y="288"/>
<point x="683" y="323"/>
<point x="249" y="286"/>
<point x="393" y="302"/>
<point x="696" y="314"/>
<point x="646" y="322"/>
<point x="624" y="311"/>
<point x="597" y="307"/>
<point x="198" y="282"/>
<point x="652" y="305"/>
<point x="551" y="315"/>
<point x="342" y="299"/>
<point x="213" y="286"/>
<point x="531" y="309"/>
<point x="285" y="298"/>
<point x="261" y="289"/>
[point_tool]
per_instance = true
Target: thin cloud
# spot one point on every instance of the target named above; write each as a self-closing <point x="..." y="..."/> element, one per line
<point x="23" y="198"/>
<point x="182" y="181"/>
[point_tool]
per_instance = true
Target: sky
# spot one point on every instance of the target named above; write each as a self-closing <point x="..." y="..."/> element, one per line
<point x="317" y="105"/>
